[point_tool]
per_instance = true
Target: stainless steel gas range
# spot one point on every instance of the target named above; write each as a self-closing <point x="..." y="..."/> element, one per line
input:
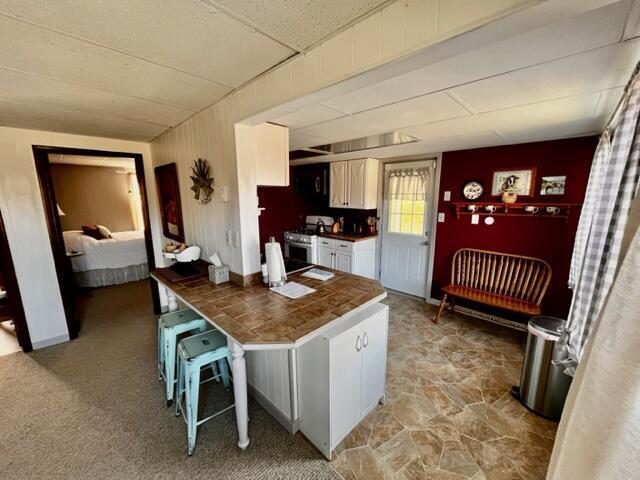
<point x="302" y="244"/>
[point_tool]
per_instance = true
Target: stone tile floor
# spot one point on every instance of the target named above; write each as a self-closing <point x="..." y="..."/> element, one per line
<point x="448" y="412"/>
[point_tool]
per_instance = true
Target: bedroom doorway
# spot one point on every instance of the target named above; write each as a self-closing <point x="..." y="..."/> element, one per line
<point x="88" y="199"/>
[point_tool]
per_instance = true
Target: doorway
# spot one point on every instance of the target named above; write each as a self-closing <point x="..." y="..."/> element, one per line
<point x="53" y="212"/>
<point x="407" y="219"/>
<point x="14" y="333"/>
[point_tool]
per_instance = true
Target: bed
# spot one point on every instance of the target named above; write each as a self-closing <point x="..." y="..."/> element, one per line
<point x="110" y="261"/>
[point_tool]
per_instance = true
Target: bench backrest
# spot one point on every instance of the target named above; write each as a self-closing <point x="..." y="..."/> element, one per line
<point x="515" y="276"/>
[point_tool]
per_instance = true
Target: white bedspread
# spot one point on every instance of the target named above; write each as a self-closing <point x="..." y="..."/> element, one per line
<point x="124" y="249"/>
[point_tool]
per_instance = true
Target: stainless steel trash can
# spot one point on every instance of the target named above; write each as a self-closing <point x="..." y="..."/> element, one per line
<point x="543" y="385"/>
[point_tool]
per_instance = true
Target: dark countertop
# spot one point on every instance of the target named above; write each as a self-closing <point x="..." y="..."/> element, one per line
<point x="349" y="237"/>
<point x="255" y="315"/>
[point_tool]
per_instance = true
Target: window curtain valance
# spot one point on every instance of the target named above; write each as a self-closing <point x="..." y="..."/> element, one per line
<point x="408" y="183"/>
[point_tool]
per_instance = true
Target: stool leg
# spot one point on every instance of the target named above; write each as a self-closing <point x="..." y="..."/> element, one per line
<point x="160" y="352"/>
<point x="224" y="371"/>
<point x="170" y="364"/>
<point x="180" y="385"/>
<point x="216" y="371"/>
<point x="192" y="392"/>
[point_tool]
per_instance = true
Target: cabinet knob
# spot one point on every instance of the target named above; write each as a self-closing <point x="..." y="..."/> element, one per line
<point x="365" y="340"/>
<point x="358" y="344"/>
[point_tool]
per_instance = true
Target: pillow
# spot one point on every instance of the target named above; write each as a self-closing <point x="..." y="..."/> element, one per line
<point x="106" y="233"/>
<point x="92" y="231"/>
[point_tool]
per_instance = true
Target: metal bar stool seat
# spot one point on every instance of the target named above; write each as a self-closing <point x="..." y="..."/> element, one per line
<point x="170" y="326"/>
<point x="195" y="352"/>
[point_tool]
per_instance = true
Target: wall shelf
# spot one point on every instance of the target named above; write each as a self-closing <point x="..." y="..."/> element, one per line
<point x="515" y="209"/>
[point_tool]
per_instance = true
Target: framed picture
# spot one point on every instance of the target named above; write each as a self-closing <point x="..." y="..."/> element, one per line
<point x="553" y="185"/>
<point x="169" y="199"/>
<point x="520" y="182"/>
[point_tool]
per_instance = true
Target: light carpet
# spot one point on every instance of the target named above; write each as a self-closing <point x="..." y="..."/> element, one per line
<point x="93" y="408"/>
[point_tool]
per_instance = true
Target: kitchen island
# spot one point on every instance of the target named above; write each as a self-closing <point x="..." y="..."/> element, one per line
<point x="283" y="339"/>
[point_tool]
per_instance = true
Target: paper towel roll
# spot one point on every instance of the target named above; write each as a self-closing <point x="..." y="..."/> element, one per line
<point x="275" y="263"/>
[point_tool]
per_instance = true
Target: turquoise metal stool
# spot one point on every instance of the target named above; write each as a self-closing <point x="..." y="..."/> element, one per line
<point x="170" y="326"/>
<point x="195" y="352"/>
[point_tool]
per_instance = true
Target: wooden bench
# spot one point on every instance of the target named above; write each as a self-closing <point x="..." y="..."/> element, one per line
<point x="510" y="282"/>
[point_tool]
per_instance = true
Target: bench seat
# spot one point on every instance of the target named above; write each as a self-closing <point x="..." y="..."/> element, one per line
<point x="493" y="300"/>
<point x="509" y="282"/>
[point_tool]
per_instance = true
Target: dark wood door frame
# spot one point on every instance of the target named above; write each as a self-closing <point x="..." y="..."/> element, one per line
<point x="63" y="270"/>
<point x="13" y="291"/>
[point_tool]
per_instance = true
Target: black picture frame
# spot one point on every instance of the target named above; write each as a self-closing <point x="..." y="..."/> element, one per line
<point x="169" y="201"/>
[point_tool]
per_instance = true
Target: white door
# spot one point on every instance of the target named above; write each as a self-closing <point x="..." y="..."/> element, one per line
<point x="346" y="374"/>
<point x="338" y="185"/>
<point x="374" y="355"/>
<point x="406" y="222"/>
<point x="356" y="186"/>
<point x="343" y="261"/>
<point x="325" y="257"/>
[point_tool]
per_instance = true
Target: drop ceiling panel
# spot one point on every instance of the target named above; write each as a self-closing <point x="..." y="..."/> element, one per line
<point x="186" y="35"/>
<point x="585" y="32"/>
<point x="298" y="23"/>
<point x="596" y="70"/>
<point x="20" y="114"/>
<point x="420" y="110"/>
<point x="308" y="116"/>
<point x="54" y="55"/>
<point x="543" y="116"/>
<point x="54" y="93"/>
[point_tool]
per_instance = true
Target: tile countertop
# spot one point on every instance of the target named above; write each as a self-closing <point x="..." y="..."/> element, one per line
<point x="349" y="237"/>
<point x="256" y="316"/>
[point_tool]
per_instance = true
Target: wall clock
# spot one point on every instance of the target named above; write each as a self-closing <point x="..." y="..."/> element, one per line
<point x="472" y="190"/>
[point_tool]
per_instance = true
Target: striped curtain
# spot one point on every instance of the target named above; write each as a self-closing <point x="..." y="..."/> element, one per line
<point x="613" y="184"/>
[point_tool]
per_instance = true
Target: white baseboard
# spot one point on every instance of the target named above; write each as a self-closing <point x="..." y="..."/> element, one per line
<point x="50" y="342"/>
<point x="291" y="426"/>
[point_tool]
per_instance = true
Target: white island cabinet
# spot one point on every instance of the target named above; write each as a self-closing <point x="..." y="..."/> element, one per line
<point x="341" y="376"/>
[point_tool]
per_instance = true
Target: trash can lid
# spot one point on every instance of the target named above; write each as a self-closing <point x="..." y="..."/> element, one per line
<point x="549" y="328"/>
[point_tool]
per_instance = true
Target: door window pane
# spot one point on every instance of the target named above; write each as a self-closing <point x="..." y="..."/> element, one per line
<point x="407" y="192"/>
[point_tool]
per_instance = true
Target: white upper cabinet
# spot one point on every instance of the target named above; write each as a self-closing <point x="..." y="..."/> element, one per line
<point x="272" y="155"/>
<point x="338" y="185"/>
<point x="354" y="184"/>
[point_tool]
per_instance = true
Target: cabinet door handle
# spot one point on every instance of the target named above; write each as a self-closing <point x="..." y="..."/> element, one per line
<point x="358" y="344"/>
<point x="365" y="340"/>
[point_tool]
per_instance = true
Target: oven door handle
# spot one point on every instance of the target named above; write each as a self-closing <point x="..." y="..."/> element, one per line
<point x="296" y="244"/>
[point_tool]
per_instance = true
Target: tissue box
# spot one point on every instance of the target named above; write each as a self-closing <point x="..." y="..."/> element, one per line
<point x="218" y="274"/>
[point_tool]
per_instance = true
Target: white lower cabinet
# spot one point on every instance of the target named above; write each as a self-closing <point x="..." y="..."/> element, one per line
<point x="341" y="376"/>
<point x="358" y="258"/>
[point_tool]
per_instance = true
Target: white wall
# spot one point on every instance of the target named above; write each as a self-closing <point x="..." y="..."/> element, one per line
<point x="400" y="29"/>
<point x="24" y="217"/>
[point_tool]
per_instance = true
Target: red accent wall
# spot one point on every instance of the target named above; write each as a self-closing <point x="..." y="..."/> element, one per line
<point x="549" y="239"/>
<point x="285" y="209"/>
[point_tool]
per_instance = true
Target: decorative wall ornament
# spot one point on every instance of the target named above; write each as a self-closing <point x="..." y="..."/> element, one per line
<point x="202" y="182"/>
<point x="520" y="182"/>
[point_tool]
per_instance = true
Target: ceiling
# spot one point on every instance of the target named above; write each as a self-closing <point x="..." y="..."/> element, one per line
<point x="133" y="69"/>
<point x="561" y="80"/>
<point x="91" y="161"/>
